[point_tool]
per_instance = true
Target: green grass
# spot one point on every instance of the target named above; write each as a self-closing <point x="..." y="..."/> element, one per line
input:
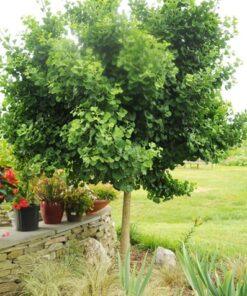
<point x="220" y="200"/>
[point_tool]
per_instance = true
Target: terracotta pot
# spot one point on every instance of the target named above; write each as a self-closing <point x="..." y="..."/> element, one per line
<point x="27" y="219"/>
<point x="73" y="216"/>
<point x="52" y="212"/>
<point x="98" y="204"/>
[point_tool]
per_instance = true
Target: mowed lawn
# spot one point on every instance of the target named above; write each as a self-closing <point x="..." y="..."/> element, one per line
<point x="220" y="200"/>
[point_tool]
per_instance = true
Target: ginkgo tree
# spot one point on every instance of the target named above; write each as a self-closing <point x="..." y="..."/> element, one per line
<point x="121" y="98"/>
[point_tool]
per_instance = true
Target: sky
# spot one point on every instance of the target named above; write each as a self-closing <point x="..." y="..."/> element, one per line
<point x="11" y="12"/>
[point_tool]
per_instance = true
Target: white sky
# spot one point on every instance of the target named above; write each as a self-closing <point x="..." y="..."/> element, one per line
<point x="11" y="12"/>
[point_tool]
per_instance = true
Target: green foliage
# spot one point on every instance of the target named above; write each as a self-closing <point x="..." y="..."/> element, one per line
<point x="77" y="199"/>
<point x="125" y="100"/>
<point x="104" y="191"/>
<point x="206" y="281"/>
<point x="7" y="158"/>
<point x="134" y="282"/>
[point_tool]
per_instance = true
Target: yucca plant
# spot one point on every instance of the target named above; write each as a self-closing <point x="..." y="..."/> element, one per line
<point x="134" y="281"/>
<point x="205" y="281"/>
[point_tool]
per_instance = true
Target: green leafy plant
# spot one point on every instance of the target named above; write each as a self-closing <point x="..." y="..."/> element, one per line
<point x="50" y="189"/>
<point x="206" y="281"/>
<point x="77" y="199"/>
<point x="7" y="158"/>
<point x="134" y="281"/>
<point x="104" y="191"/>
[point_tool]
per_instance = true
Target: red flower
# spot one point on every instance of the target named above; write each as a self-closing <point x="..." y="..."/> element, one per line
<point x="20" y="204"/>
<point x="9" y="175"/>
<point x="23" y="203"/>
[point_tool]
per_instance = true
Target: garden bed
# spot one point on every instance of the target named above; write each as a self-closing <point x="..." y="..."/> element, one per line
<point x="49" y="242"/>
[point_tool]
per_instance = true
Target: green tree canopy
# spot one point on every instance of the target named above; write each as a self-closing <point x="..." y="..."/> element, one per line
<point x="121" y="98"/>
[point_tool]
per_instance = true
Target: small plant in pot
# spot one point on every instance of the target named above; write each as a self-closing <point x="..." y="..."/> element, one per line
<point x="50" y="192"/>
<point x="77" y="202"/>
<point x="103" y="194"/>
<point x="26" y="214"/>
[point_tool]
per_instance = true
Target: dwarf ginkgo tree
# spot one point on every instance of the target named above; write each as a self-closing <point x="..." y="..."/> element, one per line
<point x="120" y="98"/>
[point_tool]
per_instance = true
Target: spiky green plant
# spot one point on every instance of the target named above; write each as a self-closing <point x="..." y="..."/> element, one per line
<point x="134" y="281"/>
<point x="205" y="281"/>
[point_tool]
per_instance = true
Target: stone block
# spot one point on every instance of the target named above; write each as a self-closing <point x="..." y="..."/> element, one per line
<point x="16" y="253"/>
<point x="77" y="230"/>
<point x="7" y="264"/>
<point x="59" y="239"/>
<point x="35" y="247"/>
<point x="165" y="257"/>
<point x="5" y="272"/>
<point x="3" y="256"/>
<point x="7" y="287"/>
<point x="55" y="247"/>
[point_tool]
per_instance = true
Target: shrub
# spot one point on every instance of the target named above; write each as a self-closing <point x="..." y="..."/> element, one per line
<point x="104" y="191"/>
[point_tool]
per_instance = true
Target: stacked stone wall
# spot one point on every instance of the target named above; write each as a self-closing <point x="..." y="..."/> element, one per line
<point x="50" y="242"/>
<point x="4" y="219"/>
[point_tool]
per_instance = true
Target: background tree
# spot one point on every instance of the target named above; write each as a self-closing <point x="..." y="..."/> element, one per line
<point x="125" y="100"/>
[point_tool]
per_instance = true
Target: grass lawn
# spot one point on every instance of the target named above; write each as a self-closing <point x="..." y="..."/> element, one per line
<point x="220" y="200"/>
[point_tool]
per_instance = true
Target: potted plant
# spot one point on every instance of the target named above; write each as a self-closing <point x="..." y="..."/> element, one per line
<point x="77" y="202"/>
<point x="25" y="212"/>
<point x="50" y="192"/>
<point x="104" y="193"/>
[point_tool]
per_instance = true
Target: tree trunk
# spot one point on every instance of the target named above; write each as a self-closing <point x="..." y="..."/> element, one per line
<point x="125" y="231"/>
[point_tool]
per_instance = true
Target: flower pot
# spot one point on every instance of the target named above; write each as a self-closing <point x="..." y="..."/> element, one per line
<point x="98" y="204"/>
<point x="73" y="216"/>
<point x="27" y="219"/>
<point x="52" y="212"/>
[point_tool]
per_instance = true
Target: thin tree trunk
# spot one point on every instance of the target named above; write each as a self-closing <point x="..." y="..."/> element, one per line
<point x="125" y="231"/>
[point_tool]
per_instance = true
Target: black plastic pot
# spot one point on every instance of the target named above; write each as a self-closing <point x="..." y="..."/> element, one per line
<point x="73" y="216"/>
<point x="27" y="219"/>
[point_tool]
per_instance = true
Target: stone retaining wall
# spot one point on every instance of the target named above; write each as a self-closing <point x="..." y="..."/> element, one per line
<point x="49" y="242"/>
<point x="4" y="219"/>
